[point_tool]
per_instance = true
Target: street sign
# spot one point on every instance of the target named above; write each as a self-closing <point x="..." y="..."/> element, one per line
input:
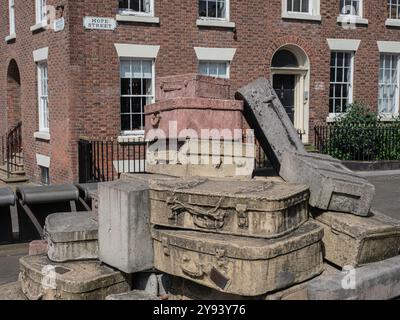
<point x="99" y="23"/>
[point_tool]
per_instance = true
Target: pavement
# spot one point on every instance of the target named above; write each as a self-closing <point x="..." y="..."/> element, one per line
<point x="387" y="184"/>
<point x="9" y="261"/>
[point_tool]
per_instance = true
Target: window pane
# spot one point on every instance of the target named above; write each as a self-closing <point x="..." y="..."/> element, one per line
<point x="125" y="86"/>
<point x="202" y="8"/>
<point x="136" y="105"/>
<point x="203" y="68"/>
<point x="126" y="122"/>
<point x="221" y="9"/>
<point x="137" y="122"/>
<point x="125" y="105"/>
<point x="123" y="4"/>
<point x="136" y="87"/>
<point x="212" y="9"/>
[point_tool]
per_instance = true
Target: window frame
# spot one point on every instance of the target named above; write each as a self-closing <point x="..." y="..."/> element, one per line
<point x="128" y="12"/>
<point x="44" y="119"/>
<point x="312" y="14"/>
<point x="351" y="84"/>
<point x="40" y="11"/>
<point x="359" y="15"/>
<point x="397" y="84"/>
<point x="227" y="12"/>
<point x="44" y="175"/>
<point x="227" y="63"/>
<point x="389" y="10"/>
<point x="11" y="17"/>
<point x="153" y="77"/>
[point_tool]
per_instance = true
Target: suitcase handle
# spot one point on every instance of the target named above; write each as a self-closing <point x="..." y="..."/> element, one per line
<point x="194" y="269"/>
<point x="206" y="219"/>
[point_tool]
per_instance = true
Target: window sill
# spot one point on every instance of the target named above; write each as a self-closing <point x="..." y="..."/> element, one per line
<point x="333" y="117"/>
<point x="11" y="37"/>
<point x="40" y="135"/>
<point x="388" y="117"/>
<point x="215" y="23"/>
<point x="136" y="137"/>
<point x="300" y="16"/>
<point x="392" y="23"/>
<point x="352" y="19"/>
<point x="38" y="26"/>
<point x="137" y="18"/>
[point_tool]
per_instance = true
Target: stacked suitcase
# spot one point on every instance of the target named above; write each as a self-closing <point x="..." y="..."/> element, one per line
<point x="70" y="270"/>
<point x="239" y="237"/>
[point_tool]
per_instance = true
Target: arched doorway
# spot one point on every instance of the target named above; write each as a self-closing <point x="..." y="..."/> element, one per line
<point x="290" y="78"/>
<point x="13" y="95"/>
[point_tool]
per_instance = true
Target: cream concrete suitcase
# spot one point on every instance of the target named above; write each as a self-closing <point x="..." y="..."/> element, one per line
<point x="239" y="265"/>
<point x="265" y="209"/>
<point x="354" y="241"/>
<point x="71" y="236"/>
<point x="80" y="280"/>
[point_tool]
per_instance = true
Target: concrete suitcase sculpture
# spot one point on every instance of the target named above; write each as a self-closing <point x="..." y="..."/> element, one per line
<point x="332" y="186"/>
<point x="240" y="265"/>
<point x="265" y="209"/>
<point x="71" y="236"/>
<point x="80" y="280"/>
<point x="354" y="241"/>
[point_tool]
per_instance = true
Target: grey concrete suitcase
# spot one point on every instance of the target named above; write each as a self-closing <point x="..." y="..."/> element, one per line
<point x="80" y="280"/>
<point x="240" y="265"/>
<point x="353" y="241"/>
<point x="71" y="236"/>
<point x="264" y="209"/>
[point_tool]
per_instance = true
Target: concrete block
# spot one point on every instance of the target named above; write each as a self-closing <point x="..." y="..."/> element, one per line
<point x="71" y="236"/>
<point x="124" y="226"/>
<point x="133" y="295"/>
<point x="192" y="85"/>
<point x="333" y="186"/>
<point x="375" y="281"/>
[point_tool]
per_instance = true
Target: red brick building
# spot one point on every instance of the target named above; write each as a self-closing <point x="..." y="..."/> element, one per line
<point x="87" y="68"/>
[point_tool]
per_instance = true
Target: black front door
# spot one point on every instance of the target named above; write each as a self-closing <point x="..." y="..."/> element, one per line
<point x="284" y="88"/>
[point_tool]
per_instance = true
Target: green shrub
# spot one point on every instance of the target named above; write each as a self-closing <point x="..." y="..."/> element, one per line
<point x="360" y="134"/>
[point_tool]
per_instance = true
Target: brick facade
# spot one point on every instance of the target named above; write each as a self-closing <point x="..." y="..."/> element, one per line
<point x="83" y="65"/>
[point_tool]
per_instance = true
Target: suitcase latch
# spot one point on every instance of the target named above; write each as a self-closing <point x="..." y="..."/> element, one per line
<point x="165" y="244"/>
<point x="243" y="216"/>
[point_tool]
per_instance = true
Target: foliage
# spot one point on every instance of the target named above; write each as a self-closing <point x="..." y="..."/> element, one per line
<point x="361" y="135"/>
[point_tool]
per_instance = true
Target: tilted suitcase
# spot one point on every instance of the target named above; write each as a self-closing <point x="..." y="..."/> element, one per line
<point x="240" y="265"/>
<point x="80" y="280"/>
<point x="265" y="209"/>
<point x="353" y="241"/>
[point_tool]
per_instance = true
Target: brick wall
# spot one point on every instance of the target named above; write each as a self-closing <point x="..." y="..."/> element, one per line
<point x="84" y="71"/>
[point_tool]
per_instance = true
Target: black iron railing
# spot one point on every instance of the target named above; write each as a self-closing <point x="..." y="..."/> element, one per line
<point x="11" y="150"/>
<point x="103" y="160"/>
<point x="359" y="142"/>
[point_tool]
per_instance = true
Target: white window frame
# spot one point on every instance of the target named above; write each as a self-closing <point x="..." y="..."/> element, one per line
<point x="41" y="14"/>
<point x="44" y="121"/>
<point x="228" y="67"/>
<point x="227" y="11"/>
<point x="11" y="9"/>
<point x="390" y="115"/>
<point x="333" y="115"/>
<point x="138" y="13"/>
<point x="392" y="21"/>
<point x="153" y="77"/>
<point x="361" y="9"/>
<point x="312" y="14"/>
